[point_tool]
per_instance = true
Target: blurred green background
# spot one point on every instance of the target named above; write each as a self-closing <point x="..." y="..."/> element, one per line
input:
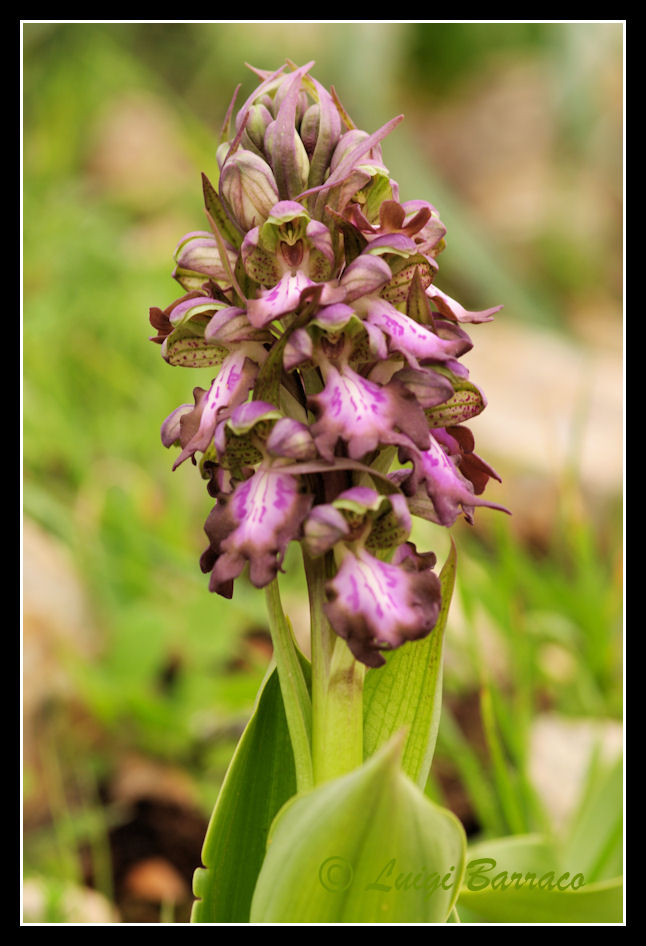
<point x="137" y="681"/>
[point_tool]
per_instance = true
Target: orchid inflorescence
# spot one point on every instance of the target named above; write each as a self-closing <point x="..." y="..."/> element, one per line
<point x="313" y="296"/>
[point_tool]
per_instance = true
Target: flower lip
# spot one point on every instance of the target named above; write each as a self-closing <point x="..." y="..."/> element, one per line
<point x="254" y="525"/>
<point x="378" y="606"/>
<point x="232" y="385"/>
<point x="365" y="415"/>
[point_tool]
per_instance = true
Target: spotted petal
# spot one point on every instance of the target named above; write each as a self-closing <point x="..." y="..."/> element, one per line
<point x="254" y="525"/>
<point x="365" y="414"/>
<point x="416" y="342"/>
<point x="231" y="387"/>
<point x="283" y="298"/>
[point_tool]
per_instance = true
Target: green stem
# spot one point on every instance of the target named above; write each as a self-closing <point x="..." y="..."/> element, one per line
<point x="337" y="687"/>
<point x="296" y="698"/>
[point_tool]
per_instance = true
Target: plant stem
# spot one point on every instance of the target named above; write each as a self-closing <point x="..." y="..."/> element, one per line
<point x="337" y="687"/>
<point x="296" y="699"/>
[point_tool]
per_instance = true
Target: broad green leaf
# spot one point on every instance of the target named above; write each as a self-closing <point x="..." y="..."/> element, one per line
<point x="595" y="841"/>
<point x="368" y="847"/>
<point x="260" y="779"/>
<point x="522" y="880"/>
<point x="407" y="692"/>
<point x="293" y="675"/>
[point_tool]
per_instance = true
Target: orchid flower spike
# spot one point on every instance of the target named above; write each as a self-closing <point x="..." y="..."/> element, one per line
<point x="312" y="299"/>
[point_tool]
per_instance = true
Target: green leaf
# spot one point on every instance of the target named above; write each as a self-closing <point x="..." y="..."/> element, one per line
<point x="595" y="840"/>
<point x="368" y="847"/>
<point x="407" y="692"/>
<point x="297" y="702"/>
<point x="472" y="773"/>
<point x="522" y="880"/>
<point x="216" y="211"/>
<point x="505" y="779"/>
<point x="260" y="779"/>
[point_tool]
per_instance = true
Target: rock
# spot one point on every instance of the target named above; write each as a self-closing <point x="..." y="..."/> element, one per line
<point x="157" y="881"/>
<point x="45" y="901"/>
<point x="560" y="753"/>
<point x="138" y="777"/>
<point x="553" y="406"/>
<point x="57" y="622"/>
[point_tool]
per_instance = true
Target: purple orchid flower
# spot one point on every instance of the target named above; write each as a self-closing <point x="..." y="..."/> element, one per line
<point x="256" y="522"/>
<point x="378" y="606"/>
<point x="375" y="605"/>
<point x="436" y="474"/>
<point x="254" y="525"/>
<point x="199" y="259"/>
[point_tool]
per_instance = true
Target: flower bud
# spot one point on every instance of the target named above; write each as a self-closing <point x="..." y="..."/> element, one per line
<point x="221" y="153"/>
<point x="249" y="187"/>
<point x="198" y="258"/>
<point x="347" y="142"/>
<point x="285" y="89"/>
<point x="292" y="161"/>
<point x="253" y="136"/>
<point x="292" y="439"/>
<point x="310" y="128"/>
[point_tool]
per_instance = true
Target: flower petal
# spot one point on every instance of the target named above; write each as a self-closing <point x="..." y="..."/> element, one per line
<point x="323" y="528"/>
<point x="416" y="342"/>
<point x="291" y="439"/>
<point x="451" y="309"/>
<point x="365" y="275"/>
<point x="283" y="298"/>
<point x="198" y="258"/>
